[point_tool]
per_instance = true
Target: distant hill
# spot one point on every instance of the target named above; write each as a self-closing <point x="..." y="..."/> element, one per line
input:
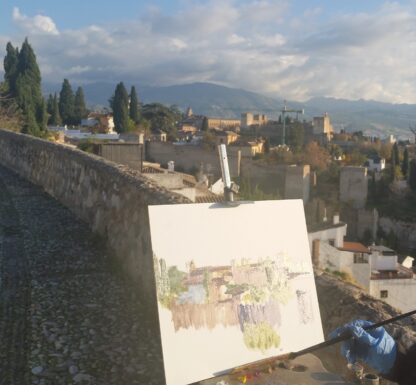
<point x="372" y="117"/>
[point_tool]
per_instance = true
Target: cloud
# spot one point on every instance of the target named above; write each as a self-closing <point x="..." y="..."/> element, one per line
<point x="258" y="45"/>
<point x="37" y="24"/>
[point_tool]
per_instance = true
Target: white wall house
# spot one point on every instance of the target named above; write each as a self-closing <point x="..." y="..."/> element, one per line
<point x="376" y="164"/>
<point x="375" y="269"/>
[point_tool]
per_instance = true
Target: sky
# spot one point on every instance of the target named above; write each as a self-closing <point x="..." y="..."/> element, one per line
<point x="294" y="49"/>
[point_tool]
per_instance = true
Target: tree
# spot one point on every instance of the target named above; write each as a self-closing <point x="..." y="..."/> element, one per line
<point x="24" y="80"/>
<point x="266" y="146"/>
<point x="120" y="105"/>
<point x="296" y="135"/>
<point x="405" y="163"/>
<point x="394" y="161"/>
<point x="10" y="68"/>
<point x="412" y="174"/>
<point x="316" y="156"/>
<point x="66" y="103"/>
<point x="134" y="106"/>
<point x="204" y="126"/>
<point x="55" y="117"/>
<point x="80" y="110"/>
<point x="396" y="154"/>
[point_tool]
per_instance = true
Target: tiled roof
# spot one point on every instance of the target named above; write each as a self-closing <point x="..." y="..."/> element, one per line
<point x="355" y="247"/>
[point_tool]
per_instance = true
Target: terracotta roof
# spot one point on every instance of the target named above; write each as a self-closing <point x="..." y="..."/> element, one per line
<point x="355" y="247"/>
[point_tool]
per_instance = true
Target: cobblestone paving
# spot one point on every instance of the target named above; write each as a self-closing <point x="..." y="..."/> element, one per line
<point x="67" y="316"/>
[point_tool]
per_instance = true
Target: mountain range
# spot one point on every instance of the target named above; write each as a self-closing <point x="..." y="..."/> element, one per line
<point x="371" y="117"/>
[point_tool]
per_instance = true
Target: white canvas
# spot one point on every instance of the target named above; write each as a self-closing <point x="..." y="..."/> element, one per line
<point x="234" y="284"/>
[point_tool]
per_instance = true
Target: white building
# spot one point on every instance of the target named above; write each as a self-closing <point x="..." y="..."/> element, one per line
<point x="376" y="164"/>
<point x="375" y="269"/>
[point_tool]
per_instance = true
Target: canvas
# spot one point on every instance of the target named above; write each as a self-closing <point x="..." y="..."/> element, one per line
<point x="234" y="285"/>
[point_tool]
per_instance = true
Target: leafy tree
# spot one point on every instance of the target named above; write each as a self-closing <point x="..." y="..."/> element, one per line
<point x="120" y="105"/>
<point x="316" y="156"/>
<point x="205" y="124"/>
<point x="405" y="163"/>
<point x="80" y="109"/>
<point x="162" y="118"/>
<point x="134" y="106"/>
<point x="66" y="103"/>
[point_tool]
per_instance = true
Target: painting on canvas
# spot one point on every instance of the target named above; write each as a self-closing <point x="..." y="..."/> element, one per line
<point x="234" y="285"/>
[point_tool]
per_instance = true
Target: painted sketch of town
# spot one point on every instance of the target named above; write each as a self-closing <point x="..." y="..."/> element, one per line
<point x="248" y="294"/>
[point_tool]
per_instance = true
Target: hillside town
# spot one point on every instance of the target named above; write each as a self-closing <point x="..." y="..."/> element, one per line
<point x="76" y="182"/>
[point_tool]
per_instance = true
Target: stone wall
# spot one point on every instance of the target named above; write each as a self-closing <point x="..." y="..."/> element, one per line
<point x="354" y="186"/>
<point x="112" y="199"/>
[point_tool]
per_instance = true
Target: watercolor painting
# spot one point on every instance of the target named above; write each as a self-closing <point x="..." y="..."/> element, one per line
<point x="234" y="285"/>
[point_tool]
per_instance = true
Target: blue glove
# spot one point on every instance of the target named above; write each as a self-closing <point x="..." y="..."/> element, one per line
<point x="374" y="347"/>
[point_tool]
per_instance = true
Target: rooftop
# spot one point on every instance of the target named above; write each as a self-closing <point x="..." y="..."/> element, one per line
<point x="354" y="247"/>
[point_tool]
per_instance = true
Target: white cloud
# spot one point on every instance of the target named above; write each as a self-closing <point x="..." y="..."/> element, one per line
<point x="36" y="24"/>
<point x="255" y="44"/>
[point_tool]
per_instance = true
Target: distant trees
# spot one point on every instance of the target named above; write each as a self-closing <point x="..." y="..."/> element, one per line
<point x="66" y="103"/>
<point x="162" y="117"/>
<point x="53" y="111"/>
<point x="134" y="106"/>
<point x="412" y="174"/>
<point x="316" y="156"/>
<point x="204" y="124"/>
<point x="23" y="84"/>
<point x="120" y="105"/>
<point x="405" y="163"/>
<point x="80" y="109"/>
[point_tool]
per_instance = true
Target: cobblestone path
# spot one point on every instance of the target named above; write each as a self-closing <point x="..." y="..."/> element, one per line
<point x="67" y="316"/>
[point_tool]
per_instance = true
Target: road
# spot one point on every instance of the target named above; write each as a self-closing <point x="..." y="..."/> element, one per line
<point x="67" y="314"/>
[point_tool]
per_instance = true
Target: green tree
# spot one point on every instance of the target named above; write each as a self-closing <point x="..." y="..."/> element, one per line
<point x="396" y="154"/>
<point x="204" y="126"/>
<point x="134" y="106"/>
<point x="10" y="68"/>
<point x="412" y="174"/>
<point x="296" y="135"/>
<point x="120" y="105"/>
<point x="66" y="103"/>
<point x="405" y="163"/>
<point x="80" y="109"/>
<point x="27" y="89"/>
<point x="55" y="117"/>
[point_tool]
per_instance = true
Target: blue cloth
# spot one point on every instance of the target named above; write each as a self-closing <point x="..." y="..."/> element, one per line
<point x="374" y="347"/>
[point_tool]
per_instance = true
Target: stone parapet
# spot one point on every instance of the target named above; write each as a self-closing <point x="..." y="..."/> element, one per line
<point x="112" y="199"/>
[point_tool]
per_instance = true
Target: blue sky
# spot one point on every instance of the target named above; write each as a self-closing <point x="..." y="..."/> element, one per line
<point x="296" y="49"/>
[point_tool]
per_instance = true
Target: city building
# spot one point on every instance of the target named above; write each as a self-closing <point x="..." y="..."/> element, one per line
<point x="249" y="119"/>
<point x="322" y="126"/>
<point x="223" y="124"/>
<point x="375" y="164"/>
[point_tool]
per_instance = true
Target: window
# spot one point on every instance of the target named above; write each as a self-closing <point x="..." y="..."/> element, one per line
<point x="360" y="258"/>
<point x="331" y="242"/>
<point x="384" y="293"/>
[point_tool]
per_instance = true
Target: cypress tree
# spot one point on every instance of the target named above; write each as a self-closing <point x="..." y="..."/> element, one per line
<point x="405" y="163"/>
<point x="412" y="174"/>
<point x="66" y="103"/>
<point x="134" y="105"/>
<point x="396" y="154"/>
<point x="28" y="91"/>
<point x="55" y="118"/>
<point x="205" y="124"/>
<point x="120" y="106"/>
<point x="49" y="105"/>
<point x="80" y="110"/>
<point x="10" y="68"/>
